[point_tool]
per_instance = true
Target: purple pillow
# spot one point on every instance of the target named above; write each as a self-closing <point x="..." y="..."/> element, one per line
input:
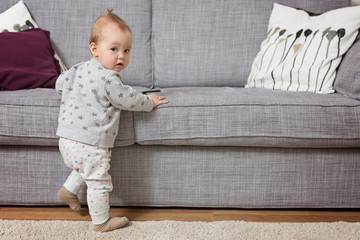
<point x="27" y="60"/>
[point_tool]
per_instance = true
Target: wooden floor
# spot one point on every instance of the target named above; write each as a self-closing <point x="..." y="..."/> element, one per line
<point x="183" y="214"/>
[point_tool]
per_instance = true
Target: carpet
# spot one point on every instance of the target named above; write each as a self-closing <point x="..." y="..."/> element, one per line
<point x="177" y="230"/>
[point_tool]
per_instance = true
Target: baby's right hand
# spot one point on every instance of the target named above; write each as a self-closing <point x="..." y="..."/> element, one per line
<point x="157" y="99"/>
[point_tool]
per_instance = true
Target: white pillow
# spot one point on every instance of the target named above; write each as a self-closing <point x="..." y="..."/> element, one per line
<point x="302" y="52"/>
<point x="18" y="18"/>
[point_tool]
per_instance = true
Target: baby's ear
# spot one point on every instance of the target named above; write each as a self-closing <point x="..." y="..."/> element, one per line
<point x="93" y="49"/>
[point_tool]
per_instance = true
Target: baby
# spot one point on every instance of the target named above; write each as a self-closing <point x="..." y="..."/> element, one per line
<point x="92" y="96"/>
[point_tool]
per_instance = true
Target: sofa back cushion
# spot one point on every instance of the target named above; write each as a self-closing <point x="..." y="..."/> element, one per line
<point x="348" y="76"/>
<point x="213" y="43"/>
<point x="70" y="23"/>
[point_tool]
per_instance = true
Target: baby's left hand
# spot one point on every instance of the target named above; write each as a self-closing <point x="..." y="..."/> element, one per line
<point x="157" y="99"/>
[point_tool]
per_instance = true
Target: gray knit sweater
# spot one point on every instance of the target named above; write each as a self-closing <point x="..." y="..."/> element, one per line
<point x="92" y="97"/>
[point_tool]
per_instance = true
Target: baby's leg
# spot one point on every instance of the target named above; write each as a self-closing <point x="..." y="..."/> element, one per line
<point x="68" y="193"/>
<point x="98" y="181"/>
<point x="75" y="182"/>
<point x="111" y="224"/>
<point x="98" y="202"/>
<point x="69" y="198"/>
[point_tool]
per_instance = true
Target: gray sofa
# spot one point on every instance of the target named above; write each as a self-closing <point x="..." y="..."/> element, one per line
<point x="216" y="144"/>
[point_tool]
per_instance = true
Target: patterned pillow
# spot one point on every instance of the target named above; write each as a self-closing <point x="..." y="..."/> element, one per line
<point x="18" y="18"/>
<point x="302" y="51"/>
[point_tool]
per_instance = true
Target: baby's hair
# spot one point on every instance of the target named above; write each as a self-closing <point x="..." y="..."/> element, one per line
<point x="104" y="19"/>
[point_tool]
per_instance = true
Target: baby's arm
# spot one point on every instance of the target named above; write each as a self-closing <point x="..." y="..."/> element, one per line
<point x="59" y="83"/>
<point x="126" y="98"/>
<point x="64" y="76"/>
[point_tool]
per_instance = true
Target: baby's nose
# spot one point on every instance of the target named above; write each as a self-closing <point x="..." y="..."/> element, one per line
<point x="121" y="55"/>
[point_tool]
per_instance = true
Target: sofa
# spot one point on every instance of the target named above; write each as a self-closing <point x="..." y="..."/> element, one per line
<point x="217" y="143"/>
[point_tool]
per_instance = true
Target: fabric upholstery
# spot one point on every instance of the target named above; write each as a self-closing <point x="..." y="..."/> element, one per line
<point x="212" y="43"/>
<point x="166" y="176"/>
<point x="250" y="117"/>
<point x="348" y="78"/>
<point x="30" y="117"/>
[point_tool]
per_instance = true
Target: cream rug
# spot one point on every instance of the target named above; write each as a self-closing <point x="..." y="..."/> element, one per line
<point x="169" y="230"/>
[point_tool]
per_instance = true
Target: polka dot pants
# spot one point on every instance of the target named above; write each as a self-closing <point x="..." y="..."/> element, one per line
<point x="90" y="166"/>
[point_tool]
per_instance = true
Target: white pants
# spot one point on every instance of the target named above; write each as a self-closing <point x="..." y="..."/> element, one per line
<point x="90" y="166"/>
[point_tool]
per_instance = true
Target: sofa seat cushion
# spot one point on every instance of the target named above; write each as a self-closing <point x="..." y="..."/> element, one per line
<point x="30" y="117"/>
<point x="250" y="117"/>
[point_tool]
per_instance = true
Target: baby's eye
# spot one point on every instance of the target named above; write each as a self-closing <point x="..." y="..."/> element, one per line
<point x="127" y="50"/>
<point x="113" y="49"/>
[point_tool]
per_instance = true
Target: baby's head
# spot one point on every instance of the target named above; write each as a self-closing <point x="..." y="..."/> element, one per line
<point x="110" y="41"/>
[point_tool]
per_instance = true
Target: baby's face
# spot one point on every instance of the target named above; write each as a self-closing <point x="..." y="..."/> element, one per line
<point x="113" y="48"/>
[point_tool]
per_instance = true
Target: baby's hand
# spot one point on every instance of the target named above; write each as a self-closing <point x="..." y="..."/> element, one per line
<point x="157" y="99"/>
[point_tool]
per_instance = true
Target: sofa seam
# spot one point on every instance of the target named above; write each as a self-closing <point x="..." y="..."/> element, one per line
<point x="262" y="105"/>
<point x="152" y="47"/>
<point x="249" y="136"/>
